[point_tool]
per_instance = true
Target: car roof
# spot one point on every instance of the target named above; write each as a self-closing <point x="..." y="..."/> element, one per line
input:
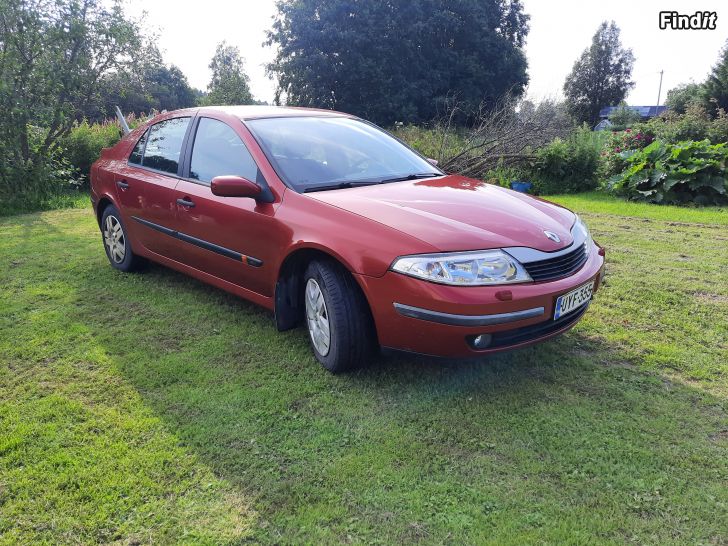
<point x="251" y="111"/>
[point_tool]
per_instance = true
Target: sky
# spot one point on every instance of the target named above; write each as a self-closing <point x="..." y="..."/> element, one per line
<point x="560" y="31"/>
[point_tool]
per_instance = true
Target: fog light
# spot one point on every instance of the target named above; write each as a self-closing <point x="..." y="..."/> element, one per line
<point x="480" y="342"/>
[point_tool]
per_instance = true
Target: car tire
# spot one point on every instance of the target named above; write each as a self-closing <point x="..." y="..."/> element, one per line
<point x="116" y="242"/>
<point x="332" y="298"/>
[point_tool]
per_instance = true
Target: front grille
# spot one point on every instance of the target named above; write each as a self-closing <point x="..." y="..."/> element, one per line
<point x="535" y="331"/>
<point x="559" y="267"/>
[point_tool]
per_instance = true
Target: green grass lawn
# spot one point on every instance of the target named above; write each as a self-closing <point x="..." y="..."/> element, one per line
<point x="150" y="408"/>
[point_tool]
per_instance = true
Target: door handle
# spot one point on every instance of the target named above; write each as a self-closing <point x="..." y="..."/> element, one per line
<point x="122" y="184"/>
<point x="186" y="202"/>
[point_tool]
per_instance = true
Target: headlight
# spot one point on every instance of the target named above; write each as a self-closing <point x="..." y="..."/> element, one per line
<point x="580" y="225"/>
<point x="485" y="267"/>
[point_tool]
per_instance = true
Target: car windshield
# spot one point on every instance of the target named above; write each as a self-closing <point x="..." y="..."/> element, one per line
<point x="317" y="153"/>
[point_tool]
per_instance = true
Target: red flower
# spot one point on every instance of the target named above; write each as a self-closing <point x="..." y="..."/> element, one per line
<point x="618" y="149"/>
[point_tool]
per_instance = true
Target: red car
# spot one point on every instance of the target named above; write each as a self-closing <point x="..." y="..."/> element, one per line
<point x="327" y="220"/>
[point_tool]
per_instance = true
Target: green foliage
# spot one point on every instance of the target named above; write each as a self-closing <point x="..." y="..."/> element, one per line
<point x="398" y="61"/>
<point x="568" y="165"/>
<point x="684" y="172"/>
<point x="37" y="183"/>
<point x="431" y="142"/>
<point x="83" y="144"/>
<point x="679" y="98"/>
<point x="718" y="128"/>
<point x="151" y="86"/>
<point x="716" y="86"/>
<point x="503" y="176"/>
<point x="617" y="143"/>
<point x="229" y="84"/>
<point x="54" y="54"/>
<point x="600" y="77"/>
<point x="694" y="124"/>
<point x="624" y="117"/>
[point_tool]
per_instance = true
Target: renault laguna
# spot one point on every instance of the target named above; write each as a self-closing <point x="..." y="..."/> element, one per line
<point x="331" y="222"/>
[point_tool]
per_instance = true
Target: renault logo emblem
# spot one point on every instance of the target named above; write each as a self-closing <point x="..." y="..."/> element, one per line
<point x="551" y="235"/>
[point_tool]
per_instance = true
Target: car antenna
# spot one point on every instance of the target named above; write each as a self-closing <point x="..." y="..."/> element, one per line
<point x="122" y="121"/>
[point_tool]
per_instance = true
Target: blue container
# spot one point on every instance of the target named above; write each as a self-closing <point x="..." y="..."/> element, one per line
<point x="523" y="187"/>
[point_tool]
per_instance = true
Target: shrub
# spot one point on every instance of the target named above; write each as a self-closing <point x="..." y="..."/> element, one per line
<point x="435" y="143"/>
<point x="618" y="143"/>
<point x="83" y="144"/>
<point x="31" y="184"/>
<point x="718" y="130"/>
<point x="684" y="172"/>
<point x="695" y="124"/>
<point x="568" y="165"/>
<point x="503" y="176"/>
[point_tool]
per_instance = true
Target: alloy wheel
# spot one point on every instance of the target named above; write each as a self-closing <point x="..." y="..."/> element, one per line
<point x="317" y="317"/>
<point x="114" y="239"/>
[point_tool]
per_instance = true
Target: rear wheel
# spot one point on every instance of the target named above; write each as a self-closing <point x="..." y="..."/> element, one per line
<point x="337" y="317"/>
<point x="116" y="243"/>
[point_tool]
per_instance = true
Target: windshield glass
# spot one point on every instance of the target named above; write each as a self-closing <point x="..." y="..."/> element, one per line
<point x="312" y="152"/>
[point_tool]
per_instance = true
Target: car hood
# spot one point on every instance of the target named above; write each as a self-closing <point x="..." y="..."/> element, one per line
<point x="454" y="213"/>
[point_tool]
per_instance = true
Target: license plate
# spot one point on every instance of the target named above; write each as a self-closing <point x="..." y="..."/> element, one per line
<point x="566" y="303"/>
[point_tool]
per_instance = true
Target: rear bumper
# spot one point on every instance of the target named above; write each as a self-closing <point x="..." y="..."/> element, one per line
<point x="428" y="318"/>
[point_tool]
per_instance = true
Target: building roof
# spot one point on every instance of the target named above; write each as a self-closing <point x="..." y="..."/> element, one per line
<point x="644" y="111"/>
<point x="251" y="111"/>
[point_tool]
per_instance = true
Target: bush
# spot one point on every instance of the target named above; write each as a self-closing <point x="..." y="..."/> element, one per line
<point x="27" y="185"/>
<point x="435" y="143"/>
<point x="568" y="165"/>
<point x="685" y="172"/>
<point x="718" y="130"/>
<point x="83" y="144"/>
<point x="503" y="176"/>
<point x="695" y="124"/>
<point x="618" y="143"/>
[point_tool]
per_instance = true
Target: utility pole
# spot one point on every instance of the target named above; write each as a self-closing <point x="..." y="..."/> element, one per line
<point x="659" y="90"/>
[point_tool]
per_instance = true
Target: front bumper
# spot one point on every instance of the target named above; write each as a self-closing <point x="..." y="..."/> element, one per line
<point x="423" y="317"/>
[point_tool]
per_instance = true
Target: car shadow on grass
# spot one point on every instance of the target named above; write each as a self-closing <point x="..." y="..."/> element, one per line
<point x="565" y="437"/>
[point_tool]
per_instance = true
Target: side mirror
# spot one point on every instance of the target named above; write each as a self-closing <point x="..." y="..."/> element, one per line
<point x="432" y="161"/>
<point x="234" y="186"/>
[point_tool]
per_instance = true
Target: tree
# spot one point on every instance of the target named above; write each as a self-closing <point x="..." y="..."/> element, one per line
<point x="229" y="83"/>
<point x="170" y="88"/>
<point x="716" y="86"/>
<point x="146" y="84"/>
<point x="398" y="61"/>
<point x="624" y="117"/>
<point x="53" y="56"/>
<point x="680" y="98"/>
<point x="600" y="77"/>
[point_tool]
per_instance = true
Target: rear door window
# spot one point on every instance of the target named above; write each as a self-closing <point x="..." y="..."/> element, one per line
<point x="164" y="146"/>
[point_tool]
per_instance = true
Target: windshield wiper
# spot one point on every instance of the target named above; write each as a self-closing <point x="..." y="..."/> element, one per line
<point x="414" y="176"/>
<point x="352" y="184"/>
<point x="341" y="185"/>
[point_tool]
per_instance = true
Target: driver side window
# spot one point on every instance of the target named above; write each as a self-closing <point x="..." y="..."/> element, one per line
<point x="218" y="151"/>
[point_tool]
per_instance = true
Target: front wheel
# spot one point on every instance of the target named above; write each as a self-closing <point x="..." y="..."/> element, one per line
<point x="116" y="243"/>
<point x="337" y="316"/>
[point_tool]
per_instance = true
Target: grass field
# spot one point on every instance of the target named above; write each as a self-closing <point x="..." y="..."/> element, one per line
<point x="150" y="408"/>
